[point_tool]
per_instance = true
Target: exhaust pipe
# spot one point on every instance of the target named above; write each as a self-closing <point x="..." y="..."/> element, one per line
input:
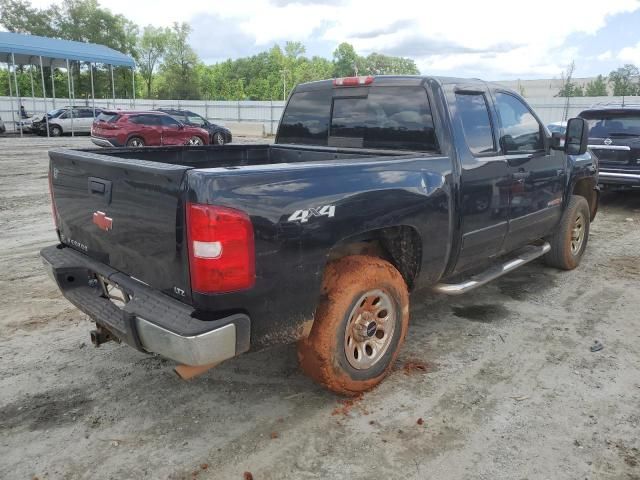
<point x="100" y="336"/>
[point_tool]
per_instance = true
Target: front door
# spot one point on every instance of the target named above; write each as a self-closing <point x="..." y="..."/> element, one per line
<point x="485" y="179"/>
<point x="538" y="173"/>
<point x="172" y="131"/>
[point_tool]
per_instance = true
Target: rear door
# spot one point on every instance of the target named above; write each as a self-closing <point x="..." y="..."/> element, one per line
<point x="538" y="173"/>
<point x="125" y="213"/>
<point x="147" y="127"/>
<point x="485" y="178"/>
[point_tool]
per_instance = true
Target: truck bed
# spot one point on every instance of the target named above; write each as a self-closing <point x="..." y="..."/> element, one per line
<point x="214" y="156"/>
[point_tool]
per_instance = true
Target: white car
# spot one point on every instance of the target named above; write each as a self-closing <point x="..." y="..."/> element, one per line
<point x="64" y="120"/>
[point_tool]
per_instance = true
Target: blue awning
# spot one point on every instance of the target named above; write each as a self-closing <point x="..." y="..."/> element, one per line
<point x="54" y="52"/>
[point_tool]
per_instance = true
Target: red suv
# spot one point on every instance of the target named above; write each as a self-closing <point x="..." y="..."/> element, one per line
<point x="139" y="129"/>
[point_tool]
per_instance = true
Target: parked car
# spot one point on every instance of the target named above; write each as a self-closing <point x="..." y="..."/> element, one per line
<point x="218" y="135"/>
<point x="614" y="137"/>
<point x="375" y="187"/>
<point x="66" y="120"/>
<point x="140" y="129"/>
<point x="26" y="124"/>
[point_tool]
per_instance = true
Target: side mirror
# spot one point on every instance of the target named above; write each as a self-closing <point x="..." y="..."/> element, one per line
<point x="181" y="126"/>
<point x="577" y="136"/>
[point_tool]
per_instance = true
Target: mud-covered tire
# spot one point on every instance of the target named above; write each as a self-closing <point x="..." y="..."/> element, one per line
<point x="566" y="248"/>
<point x="323" y="355"/>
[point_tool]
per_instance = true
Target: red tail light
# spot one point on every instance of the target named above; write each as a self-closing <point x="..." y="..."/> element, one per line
<point x="352" y="81"/>
<point x="54" y="210"/>
<point x="221" y="249"/>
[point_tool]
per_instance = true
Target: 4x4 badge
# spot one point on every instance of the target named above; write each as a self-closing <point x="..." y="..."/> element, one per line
<point x="608" y="141"/>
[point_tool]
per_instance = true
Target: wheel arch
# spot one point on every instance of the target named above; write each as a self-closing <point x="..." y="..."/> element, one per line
<point x="586" y="187"/>
<point x="400" y="245"/>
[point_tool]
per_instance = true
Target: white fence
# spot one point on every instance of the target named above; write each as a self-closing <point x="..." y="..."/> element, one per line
<point x="265" y="113"/>
<point x="550" y="109"/>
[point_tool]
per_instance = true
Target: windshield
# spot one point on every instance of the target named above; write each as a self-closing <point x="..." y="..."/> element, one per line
<point x="56" y="112"/>
<point x="603" y="126"/>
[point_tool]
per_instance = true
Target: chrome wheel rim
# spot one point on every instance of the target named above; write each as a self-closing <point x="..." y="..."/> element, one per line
<point x="370" y="328"/>
<point x="218" y="140"/>
<point x="137" y="143"/>
<point x="577" y="234"/>
<point x="195" y="141"/>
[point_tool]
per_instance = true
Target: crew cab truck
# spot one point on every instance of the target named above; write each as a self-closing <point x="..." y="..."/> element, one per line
<point x="375" y="187"/>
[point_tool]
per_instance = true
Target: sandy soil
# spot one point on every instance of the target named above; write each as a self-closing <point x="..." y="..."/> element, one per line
<point x="511" y="389"/>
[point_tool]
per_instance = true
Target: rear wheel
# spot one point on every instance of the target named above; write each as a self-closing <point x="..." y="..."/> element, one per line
<point x="135" y="142"/>
<point x="195" y="140"/>
<point x="570" y="240"/>
<point x="218" y="138"/>
<point x="359" y="325"/>
<point x="55" y="131"/>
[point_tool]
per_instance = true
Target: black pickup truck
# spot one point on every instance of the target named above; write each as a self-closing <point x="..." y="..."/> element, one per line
<point x="375" y="187"/>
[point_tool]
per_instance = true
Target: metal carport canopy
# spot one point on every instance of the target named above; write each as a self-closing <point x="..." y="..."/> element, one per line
<point x="29" y="48"/>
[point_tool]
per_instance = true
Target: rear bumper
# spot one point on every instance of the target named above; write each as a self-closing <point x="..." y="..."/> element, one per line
<point x="628" y="179"/>
<point x="103" y="142"/>
<point x="151" y="321"/>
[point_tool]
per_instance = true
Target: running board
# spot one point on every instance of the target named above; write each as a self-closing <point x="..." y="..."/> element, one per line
<point x="528" y="254"/>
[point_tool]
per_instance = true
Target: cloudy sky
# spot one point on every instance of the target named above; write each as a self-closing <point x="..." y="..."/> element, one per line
<point x="492" y="39"/>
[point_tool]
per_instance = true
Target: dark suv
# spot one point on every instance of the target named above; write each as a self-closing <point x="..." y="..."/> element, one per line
<point x="614" y="137"/>
<point x="218" y="134"/>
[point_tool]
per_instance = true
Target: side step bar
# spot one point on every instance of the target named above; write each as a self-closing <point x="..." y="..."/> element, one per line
<point x="529" y="253"/>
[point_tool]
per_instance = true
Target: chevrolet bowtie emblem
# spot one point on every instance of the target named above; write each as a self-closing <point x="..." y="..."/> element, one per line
<point x="102" y="221"/>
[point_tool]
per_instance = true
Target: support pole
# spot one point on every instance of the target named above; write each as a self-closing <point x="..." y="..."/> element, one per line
<point x="13" y="112"/>
<point x="113" y="87"/>
<point x="53" y="84"/>
<point x="93" y="94"/>
<point x="69" y="84"/>
<point x="15" y="79"/>
<point x="44" y="97"/>
<point x="133" y="83"/>
<point x="33" y="93"/>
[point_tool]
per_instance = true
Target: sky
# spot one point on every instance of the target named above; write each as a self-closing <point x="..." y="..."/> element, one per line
<point x="489" y="39"/>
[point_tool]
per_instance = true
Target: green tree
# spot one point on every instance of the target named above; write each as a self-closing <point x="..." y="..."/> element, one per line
<point x="152" y="46"/>
<point x="346" y="61"/>
<point x="379" y="64"/>
<point x="569" y="87"/>
<point x="20" y="17"/>
<point x="623" y="82"/>
<point x="596" y="87"/>
<point x="179" y="73"/>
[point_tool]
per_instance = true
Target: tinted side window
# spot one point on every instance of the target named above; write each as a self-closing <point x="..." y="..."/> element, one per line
<point x="521" y="130"/>
<point x="399" y="117"/>
<point x="144" y="119"/>
<point x="169" y="122"/>
<point x="306" y="118"/>
<point x="476" y="123"/>
<point x="87" y="113"/>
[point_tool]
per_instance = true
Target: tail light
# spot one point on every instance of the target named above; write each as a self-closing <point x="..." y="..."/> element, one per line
<point x="221" y="249"/>
<point x="352" y="81"/>
<point x="54" y="210"/>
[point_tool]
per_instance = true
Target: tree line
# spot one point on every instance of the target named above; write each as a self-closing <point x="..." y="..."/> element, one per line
<point x="167" y="66"/>
<point x="623" y="81"/>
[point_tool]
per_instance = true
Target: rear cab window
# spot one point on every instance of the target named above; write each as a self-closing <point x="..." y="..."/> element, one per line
<point x="613" y="124"/>
<point x="378" y="117"/>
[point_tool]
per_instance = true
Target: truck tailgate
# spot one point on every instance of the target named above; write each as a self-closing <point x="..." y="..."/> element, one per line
<point x="125" y="213"/>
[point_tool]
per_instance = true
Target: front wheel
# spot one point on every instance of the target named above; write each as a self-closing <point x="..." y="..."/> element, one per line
<point x="571" y="237"/>
<point x="359" y="325"/>
<point x="218" y="138"/>
<point x="55" y="131"/>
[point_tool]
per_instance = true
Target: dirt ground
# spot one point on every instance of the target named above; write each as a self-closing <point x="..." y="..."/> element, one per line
<point x="510" y="390"/>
